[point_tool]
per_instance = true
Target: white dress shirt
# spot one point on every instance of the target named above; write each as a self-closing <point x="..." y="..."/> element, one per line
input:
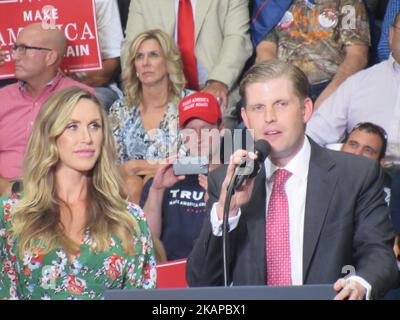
<point x="296" y="190"/>
<point x="371" y="95"/>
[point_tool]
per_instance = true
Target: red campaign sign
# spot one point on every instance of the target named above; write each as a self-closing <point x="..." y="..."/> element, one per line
<point x="77" y="18"/>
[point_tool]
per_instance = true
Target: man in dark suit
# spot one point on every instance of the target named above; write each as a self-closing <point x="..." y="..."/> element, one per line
<point x="331" y="212"/>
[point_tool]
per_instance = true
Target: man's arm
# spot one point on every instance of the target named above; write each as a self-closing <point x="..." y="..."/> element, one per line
<point x="373" y="235"/>
<point x="100" y="78"/>
<point x="138" y="168"/>
<point x="205" y="260"/>
<point x="266" y="50"/>
<point x="164" y="178"/>
<point x="355" y="60"/>
<point x="236" y="47"/>
<point x="204" y="264"/>
<point x="329" y="123"/>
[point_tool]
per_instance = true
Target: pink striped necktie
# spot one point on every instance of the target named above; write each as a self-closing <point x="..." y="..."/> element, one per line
<point x="277" y="233"/>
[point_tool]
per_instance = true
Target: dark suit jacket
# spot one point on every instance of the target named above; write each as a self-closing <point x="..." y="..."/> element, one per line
<point x="346" y="223"/>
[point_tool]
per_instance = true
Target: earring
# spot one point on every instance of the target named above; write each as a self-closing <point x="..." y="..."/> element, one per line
<point x="137" y="74"/>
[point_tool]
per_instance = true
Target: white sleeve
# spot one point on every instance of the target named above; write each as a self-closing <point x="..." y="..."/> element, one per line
<point x="216" y="224"/>
<point x="329" y="122"/>
<point x="109" y="28"/>
<point x="364" y="283"/>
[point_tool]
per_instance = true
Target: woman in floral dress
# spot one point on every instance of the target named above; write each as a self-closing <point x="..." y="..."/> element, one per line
<point x="145" y="122"/>
<point x="71" y="234"/>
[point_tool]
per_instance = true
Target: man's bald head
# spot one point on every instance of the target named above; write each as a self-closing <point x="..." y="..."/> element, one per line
<point x="39" y="65"/>
<point x="48" y="37"/>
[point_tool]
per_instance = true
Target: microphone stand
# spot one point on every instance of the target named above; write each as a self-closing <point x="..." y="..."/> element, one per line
<point x="225" y="227"/>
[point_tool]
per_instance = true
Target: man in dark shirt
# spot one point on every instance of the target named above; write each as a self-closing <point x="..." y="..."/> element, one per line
<point x="175" y="206"/>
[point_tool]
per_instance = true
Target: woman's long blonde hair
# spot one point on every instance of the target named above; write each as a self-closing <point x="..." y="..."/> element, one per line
<point x="36" y="219"/>
<point x="132" y="85"/>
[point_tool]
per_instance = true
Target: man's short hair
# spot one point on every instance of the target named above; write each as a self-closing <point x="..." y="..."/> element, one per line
<point x="273" y="69"/>
<point x="374" y="129"/>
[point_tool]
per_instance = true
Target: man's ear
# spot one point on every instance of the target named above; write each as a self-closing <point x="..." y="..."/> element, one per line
<point x="308" y="108"/>
<point x="244" y="117"/>
<point x="52" y="57"/>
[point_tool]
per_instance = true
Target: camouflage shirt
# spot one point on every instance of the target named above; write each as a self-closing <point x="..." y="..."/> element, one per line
<point x="313" y="34"/>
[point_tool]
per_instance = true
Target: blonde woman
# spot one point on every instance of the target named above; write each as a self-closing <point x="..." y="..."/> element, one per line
<point x="71" y="235"/>
<point x="145" y="122"/>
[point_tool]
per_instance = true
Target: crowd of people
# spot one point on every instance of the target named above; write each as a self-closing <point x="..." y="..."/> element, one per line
<point x="91" y="197"/>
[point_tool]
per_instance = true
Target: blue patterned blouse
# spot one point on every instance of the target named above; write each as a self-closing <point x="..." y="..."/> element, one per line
<point x="134" y="142"/>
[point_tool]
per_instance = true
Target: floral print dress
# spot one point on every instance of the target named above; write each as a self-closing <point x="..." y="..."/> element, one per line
<point x="87" y="276"/>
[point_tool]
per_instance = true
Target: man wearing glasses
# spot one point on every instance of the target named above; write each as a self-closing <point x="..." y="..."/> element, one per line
<point x="37" y="53"/>
<point x="370" y="95"/>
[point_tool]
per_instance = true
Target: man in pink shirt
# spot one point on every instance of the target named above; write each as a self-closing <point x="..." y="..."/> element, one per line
<point x="38" y="53"/>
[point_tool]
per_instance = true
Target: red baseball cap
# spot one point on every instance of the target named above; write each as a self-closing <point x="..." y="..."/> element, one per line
<point x="199" y="105"/>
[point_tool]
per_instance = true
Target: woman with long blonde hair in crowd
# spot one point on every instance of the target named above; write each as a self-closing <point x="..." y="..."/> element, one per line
<point x="71" y="234"/>
<point x="145" y="122"/>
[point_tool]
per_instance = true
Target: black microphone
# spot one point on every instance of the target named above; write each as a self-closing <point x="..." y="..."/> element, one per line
<point x="262" y="149"/>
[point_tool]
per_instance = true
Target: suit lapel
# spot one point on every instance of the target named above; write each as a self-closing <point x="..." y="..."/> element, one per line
<point x="256" y="227"/>
<point x="320" y="186"/>
<point x="202" y="7"/>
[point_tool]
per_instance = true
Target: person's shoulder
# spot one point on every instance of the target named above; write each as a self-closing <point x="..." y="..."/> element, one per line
<point x="9" y="89"/>
<point x="368" y="74"/>
<point x="120" y="107"/>
<point x="136" y="211"/>
<point x="7" y="204"/>
<point x="347" y="163"/>
<point x="69" y="82"/>
<point x="138" y="214"/>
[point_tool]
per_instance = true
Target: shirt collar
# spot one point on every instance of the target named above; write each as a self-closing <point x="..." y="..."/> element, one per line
<point x="52" y="83"/>
<point x="298" y="166"/>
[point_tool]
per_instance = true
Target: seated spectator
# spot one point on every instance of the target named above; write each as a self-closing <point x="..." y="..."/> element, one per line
<point x="369" y="140"/>
<point x="110" y="38"/>
<point x="72" y="235"/>
<point x="176" y="205"/>
<point x="37" y="53"/>
<point x="392" y="9"/>
<point x="145" y="122"/>
<point x="214" y="41"/>
<point x="319" y="38"/>
<point x="370" y="95"/>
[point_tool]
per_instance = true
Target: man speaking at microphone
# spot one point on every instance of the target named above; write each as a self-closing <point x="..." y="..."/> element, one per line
<point x="310" y="212"/>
